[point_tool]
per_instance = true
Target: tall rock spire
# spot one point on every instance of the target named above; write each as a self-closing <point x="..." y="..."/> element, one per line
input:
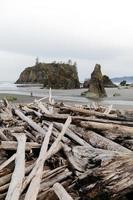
<point x="96" y="85"/>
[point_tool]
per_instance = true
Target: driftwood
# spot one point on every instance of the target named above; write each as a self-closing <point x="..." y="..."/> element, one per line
<point x="43" y="108"/>
<point x="51" y="151"/>
<point x="36" y="173"/>
<point x="110" y="171"/>
<point x="34" y="125"/>
<point x="85" y="154"/>
<point x="7" y="162"/>
<point x="59" y="138"/>
<point x="89" y="112"/>
<point x="62" y="176"/>
<point x="108" y="110"/>
<point x="107" y="129"/>
<point x="73" y="136"/>
<point x="99" y="141"/>
<point x="17" y="177"/>
<point x="2" y="136"/>
<point x="61" y="192"/>
<point x="8" y="145"/>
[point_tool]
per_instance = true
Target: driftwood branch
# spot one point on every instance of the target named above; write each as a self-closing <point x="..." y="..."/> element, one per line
<point x="37" y="171"/>
<point x="34" y="125"/>
<point x="9" y="145"/>
<point x="7" y="162"/>
<point x="61" y="192"/>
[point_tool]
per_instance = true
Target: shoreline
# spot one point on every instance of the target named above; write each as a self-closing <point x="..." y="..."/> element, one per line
<point x="122" y="100"/>
<point x="24" y="99"/>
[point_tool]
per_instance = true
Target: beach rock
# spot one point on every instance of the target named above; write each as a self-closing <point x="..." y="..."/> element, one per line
<point x="54" y="75"/>
<point x="96" y="82"/>
<point x="107" y="82"/>
<point x="123" y="83"/>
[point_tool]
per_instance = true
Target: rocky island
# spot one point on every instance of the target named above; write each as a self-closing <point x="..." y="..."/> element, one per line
<point x="54" y="75"/>
<point x="96" y="85"/>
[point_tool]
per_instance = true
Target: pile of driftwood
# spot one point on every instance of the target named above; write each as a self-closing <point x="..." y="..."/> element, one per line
<point x="56" y="151"/>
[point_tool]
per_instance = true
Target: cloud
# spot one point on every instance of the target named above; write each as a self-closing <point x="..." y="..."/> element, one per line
<point x="86" y="31"/>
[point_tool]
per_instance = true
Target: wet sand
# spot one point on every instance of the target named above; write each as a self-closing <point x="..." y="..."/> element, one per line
<point x="124" y="101"/>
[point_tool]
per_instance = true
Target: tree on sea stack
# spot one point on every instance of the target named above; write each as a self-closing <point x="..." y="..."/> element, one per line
<point x="96" y="85"/>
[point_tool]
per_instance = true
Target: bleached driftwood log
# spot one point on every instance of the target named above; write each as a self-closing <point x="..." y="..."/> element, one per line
<point x="110" y="174"/>
<point x="19" y="171"/>
<point x="99" y="141"/>
<point x="38" y="168"/>
<point x="2" y="136"/>
<point x="117" y="130"/>
<point x="89" y="112"/>
<point x="61" y="192"/>
<point x="7" y="162"/>
<point x="53" y="149"/>
<point x="43" y="108"/>
<point x="11" y="145"/>
<point x="59" y="138"/>
<point x="34" y="125"/>
<point x="72" y="135"/>
<point x="108" y="109"/>
<point x="60" y="177"/>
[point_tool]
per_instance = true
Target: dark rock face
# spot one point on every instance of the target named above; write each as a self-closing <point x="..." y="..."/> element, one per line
<point x="96" y="82"/>
<point x="123" y="83"/>
<point x="54" y="75"/>
<point x="107" y="82"/>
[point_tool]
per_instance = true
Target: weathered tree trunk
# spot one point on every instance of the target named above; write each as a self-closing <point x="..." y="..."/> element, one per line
<point x="9" y="145"/>
<point x="117" y="130"/>
<point x="17" y="177"/>
<point x="38" y="169"/>
<point x="99" y="141"/>
<point x="7" y="162"/>
<point x="34" y="125"/>
<point x="110" y="175"/>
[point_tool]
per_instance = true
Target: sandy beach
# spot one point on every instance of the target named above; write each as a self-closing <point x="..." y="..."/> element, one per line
<point x="124" y="99"/>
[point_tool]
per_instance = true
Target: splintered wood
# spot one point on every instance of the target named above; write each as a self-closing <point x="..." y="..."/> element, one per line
<point x="56" y="151"/>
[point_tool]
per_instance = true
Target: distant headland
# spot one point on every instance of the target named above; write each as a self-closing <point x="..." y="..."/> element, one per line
<point x="128" y="79"/>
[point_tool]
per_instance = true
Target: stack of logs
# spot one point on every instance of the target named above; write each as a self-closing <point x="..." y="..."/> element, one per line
<point x="57" y="151"/>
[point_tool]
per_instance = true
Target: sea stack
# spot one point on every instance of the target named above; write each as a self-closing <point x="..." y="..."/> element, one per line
<point x="96" y="85"/>
<point x="54" y="75"/>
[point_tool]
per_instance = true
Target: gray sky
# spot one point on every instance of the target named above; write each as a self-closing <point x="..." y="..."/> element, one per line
<point x="85" y="31"/>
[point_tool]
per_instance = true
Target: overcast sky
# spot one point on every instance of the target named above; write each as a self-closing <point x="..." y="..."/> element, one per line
<point x="85" y="31"/>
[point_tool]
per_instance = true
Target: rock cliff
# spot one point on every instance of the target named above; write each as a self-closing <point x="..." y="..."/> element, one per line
<point x="54" y="75"/>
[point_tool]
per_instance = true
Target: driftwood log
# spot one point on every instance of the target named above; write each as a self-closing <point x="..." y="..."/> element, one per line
<point x="17" y="177"/>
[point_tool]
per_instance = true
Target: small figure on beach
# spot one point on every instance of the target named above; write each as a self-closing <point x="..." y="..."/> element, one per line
<point x="31" y="94"/>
